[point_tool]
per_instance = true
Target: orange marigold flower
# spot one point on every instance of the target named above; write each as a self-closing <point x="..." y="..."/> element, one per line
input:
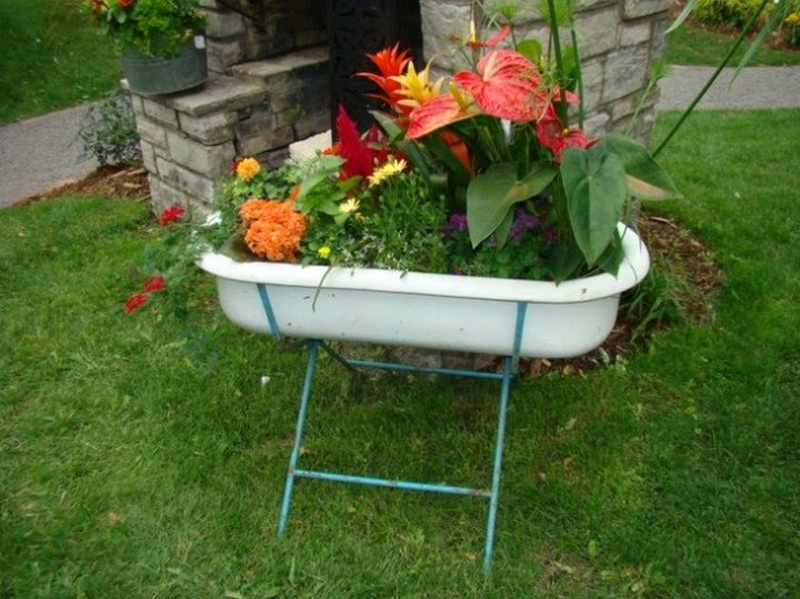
<point x="274" y="229"/>
<point x="247" y="168"/>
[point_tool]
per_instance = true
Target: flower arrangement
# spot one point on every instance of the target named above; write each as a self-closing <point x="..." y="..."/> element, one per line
<point x="151" y="27"/>
<point x="482" y="174"/>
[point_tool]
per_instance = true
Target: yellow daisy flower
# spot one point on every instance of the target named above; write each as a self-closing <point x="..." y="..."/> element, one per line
<point x="388" y="169"/>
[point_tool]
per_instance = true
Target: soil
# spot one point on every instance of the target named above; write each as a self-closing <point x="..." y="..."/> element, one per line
<point x="667" y="240"/>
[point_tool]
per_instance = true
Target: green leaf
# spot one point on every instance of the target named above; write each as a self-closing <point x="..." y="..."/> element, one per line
<point x="491" y="195"/>
<point x="645" y="178"/>
<point x="531" y="49"/>
<point x="594" y="182"/>
<point x="563" y="260"/>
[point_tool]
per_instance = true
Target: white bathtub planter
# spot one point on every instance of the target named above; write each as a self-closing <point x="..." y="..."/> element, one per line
<point x="447" y="312"/>
<point x="507" y="317"/>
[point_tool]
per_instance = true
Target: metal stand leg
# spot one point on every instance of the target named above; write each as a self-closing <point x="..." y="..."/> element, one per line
<point x="494" y="499"/>
<point x="493" y="494"/>
<point x="313" y="347"/>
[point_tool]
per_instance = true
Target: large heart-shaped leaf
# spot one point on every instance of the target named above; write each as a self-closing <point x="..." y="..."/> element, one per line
<point x="491" y="195"/>
<point x="645" y="178"/>
<point x="594" y="182"/>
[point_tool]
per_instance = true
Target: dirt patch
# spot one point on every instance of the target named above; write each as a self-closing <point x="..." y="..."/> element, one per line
<point x="127" y="183"/>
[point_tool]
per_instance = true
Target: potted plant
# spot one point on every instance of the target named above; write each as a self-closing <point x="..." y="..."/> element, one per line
<point x="161" y="42"/>
<point x="472" y="204"/>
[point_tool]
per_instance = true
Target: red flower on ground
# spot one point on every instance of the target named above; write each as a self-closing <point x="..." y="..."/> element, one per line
<point x="154" y="283"/>
<point x="170" y="215"/>
<point x="137" y="300"/>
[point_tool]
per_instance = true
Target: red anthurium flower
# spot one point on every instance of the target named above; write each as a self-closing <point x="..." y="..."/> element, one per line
<point x="474" y="43"/>
<point x="170" y="215"/>
<point x="391" y="62"/>
<point x="507" y="86"/>
<point x="137" y="300"/>
<point x="552" y="134"/>
<point x="439" y="112"/>
<point x="154" y="283"/>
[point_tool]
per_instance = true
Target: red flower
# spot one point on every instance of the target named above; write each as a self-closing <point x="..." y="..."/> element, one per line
<point x="391" y="62"/>
<point x="154" y="283"/>
<point x="507" y="86"/>
<point x="137" y="300"/>
<point x="552" y="134"/>
<point x="170" y="215"/>
<point x="474" y="43"/>
<point x="438" y="112"/>
<point x="360" y="153"/>
<point x="125" y="3"/>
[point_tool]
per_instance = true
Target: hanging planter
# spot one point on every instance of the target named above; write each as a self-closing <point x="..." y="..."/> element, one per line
<point x="153" y="75"/>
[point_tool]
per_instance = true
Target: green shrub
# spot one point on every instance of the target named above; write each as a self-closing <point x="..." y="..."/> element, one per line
<point x="791" y="24"/>
<point x="108" y="130"/>
<point x="728" y="13"/>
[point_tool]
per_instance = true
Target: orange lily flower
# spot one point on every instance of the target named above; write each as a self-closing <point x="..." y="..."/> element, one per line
<point x="390" y="62"/>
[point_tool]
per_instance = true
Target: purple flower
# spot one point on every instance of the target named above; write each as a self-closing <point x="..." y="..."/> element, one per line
<point x="524" y="222"/>
<point x="457" y="223"/>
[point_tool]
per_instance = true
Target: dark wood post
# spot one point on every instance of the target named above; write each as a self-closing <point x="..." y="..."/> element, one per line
<point x="359" y="27"/>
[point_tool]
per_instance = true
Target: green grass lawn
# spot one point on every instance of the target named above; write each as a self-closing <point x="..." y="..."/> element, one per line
<point x="140" y="463"/>
<point x="50" y="58"/>
<point x="695" y="45"/>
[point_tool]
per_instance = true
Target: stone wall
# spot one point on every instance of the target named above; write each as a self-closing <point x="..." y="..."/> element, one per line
<point x="269" y="83"/>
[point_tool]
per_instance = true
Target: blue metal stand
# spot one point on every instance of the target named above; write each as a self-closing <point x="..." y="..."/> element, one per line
<point x="493" y="493"/>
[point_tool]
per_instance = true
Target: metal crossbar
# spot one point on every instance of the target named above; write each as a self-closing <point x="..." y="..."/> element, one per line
<point x="492" y="493"/>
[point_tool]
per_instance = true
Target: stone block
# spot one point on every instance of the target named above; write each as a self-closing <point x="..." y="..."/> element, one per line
<point x="148" y="156"/>
<point x="635" y="33"/>
<point x="442" y="22"/>
<point x="597" y="31"/>
<point x="209" y="129"/>
<point x="634" y="9"/>
<point x="160" y="113"/>
<point x="219" y="94"/>
<point x="222" y="54"/>
<point x="596" y="124"/>
<point x="592" y="73"/>
<point x="225" y="25"/>
<point x="625" y="73"/>
<point x="212" y="161"/>
<point x="187" y="181"/>
<point x="151" y="131"/>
